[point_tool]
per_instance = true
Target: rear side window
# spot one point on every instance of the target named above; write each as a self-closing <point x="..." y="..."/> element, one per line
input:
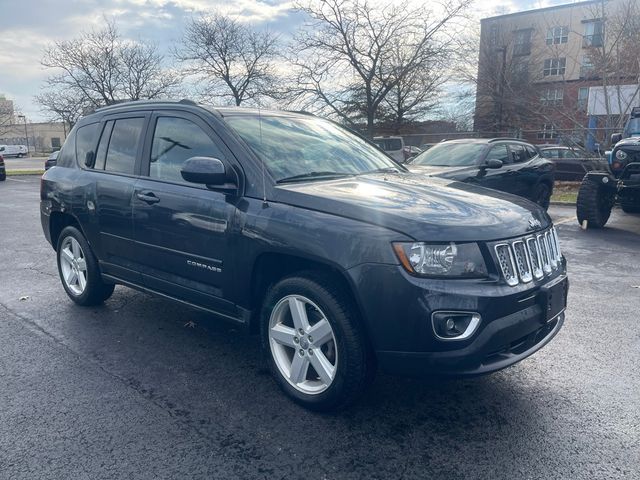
<point x="86" y="140"/>
<point x="175" y="140"/>
<point x="389" y="144"/>
<point x="123" y="145"/>
<point x="554" y="153"/>
<point x="520" y="154"/>
<point x="531" y="151"/>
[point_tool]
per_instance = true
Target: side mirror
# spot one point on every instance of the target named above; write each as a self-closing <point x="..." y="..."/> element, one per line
<point x="493" y="163"/>
<point x="211" y="172"/>
<point x="615" y="138"/>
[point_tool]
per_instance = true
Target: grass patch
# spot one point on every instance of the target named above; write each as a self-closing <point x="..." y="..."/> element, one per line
<point x="11" y="173"/>
<point x="565" y="192"/>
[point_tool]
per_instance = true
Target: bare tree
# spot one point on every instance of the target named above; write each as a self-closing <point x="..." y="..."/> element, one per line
<point x="233" y="60"/>
<point x="6" y="119"/>
<point x="346" y="56"/>
<point x="100" y="68"/>
<point x="66" y="106"/>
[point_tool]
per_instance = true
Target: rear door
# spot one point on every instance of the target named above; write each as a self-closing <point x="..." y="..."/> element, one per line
<point x="113" y="169"/>
<point x="181" y="228"/>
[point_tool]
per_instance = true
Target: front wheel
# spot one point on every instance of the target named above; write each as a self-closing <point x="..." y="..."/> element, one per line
<point x="594" y="204"/>
<point x="314" y="344"/>
<point x="79" y="270"/>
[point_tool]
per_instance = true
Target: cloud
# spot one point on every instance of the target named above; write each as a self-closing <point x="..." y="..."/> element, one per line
<point x="158" y="21"/>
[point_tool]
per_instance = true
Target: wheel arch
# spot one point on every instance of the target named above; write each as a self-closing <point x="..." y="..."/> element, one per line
<point x="58" y="221"/>
<point x="271" y="267"/>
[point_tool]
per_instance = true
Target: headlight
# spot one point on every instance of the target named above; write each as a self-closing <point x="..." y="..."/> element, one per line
<point x="621" y="155"/>
<point x="442" y="260"/>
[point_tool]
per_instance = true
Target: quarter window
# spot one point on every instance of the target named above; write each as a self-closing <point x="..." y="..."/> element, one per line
<point x="86" y="140"/>
<point x="123" y="146"/>
<point x="557" y="35"/>
<point x="175" y="140"/>
<point x="554" y="66"/>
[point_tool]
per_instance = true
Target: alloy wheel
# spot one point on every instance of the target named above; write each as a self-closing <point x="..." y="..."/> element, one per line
<point x="303" y="344"/>
<point x="73" y="265"/>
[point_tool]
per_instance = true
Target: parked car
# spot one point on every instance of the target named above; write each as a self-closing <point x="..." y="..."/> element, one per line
<point x="52" y="160"/>
<point x="3" y="171"/>
<point x="410" y="151"/>
<point x="509" y="165"/>
<point x="292" y="226"/>
<point x="571" y="163"/>
<point x="15" y="150"/>
<point x="393" y="146"/>
<point x="426" y="146"/>
<point x="617" y="183"/>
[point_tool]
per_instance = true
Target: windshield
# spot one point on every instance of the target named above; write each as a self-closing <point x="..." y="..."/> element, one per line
<point x="633" y="127"/>
<point x="305" y="148"/>
<point x="450" y="155"/>
<point x="388" y="144"/>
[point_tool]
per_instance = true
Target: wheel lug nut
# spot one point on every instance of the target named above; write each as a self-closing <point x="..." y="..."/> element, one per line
<point x="301" y="352"/>
<point x="296" y="339"/>
<point x="301" y="331"/>
<point x="310" y="339"/>
<point x="310" y="351"/>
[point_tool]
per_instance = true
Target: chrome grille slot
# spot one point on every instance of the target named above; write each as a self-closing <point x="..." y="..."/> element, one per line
<point x="522" y="261"/>
<point x="544" y="251"/>
<point x="506" y="263"/>
<point x="535" y="256"/>
<point x="553" y="259"/>
<point x="557" y="243"/>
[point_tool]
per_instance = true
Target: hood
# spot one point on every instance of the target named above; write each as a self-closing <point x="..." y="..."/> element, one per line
<point x="424" y="208"/>
<point x="630" y="143"/>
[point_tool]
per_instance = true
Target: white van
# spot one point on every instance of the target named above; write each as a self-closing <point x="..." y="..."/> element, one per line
<point x="14" y="150"/>
<point x="393" y="146"/>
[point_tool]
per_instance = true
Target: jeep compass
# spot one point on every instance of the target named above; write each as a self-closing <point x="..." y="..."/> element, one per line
<point x="287" y="223"/>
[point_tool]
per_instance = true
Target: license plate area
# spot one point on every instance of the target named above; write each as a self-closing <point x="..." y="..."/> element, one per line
<point x="553" y="298"/>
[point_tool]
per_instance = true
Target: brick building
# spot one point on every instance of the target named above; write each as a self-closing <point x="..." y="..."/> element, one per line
<point x="544" y="74"/>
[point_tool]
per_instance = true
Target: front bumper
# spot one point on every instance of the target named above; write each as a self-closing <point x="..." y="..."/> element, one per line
<point x="514" y="321"/>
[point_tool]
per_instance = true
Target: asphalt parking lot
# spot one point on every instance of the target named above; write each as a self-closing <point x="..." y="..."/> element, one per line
<point x="144" y="388"/>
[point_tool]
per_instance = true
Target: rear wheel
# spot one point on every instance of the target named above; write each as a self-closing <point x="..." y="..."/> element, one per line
<point x="79" y="270"/>
<point x="313" y="342"/>
<point x="594" y="204"/>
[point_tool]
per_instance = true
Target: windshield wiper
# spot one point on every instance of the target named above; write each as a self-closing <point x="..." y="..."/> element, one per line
<point x="314" y="175"/>
<point x="382" y="170"/>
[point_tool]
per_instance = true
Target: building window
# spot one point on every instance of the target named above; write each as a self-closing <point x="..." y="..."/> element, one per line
<point x="583" y="98"/>
<point x="520" y="72"/>
<point x="522" y="42"/>
<point x="493" y="36"/>
<point x="557" y="35"/>
<point x="548" y="132"/>
<point x="593" y="34"/>
<point x="554" y="66"/>
<point x="586" y="67"/>
<point x="552" y="97"/>
<point x="55" y="142"/>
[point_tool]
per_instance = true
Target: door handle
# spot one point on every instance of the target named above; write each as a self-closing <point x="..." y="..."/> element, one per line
<point x="148" y="197"/>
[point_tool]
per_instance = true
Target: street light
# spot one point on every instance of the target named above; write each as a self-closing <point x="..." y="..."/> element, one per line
<point x="26" y="135"/>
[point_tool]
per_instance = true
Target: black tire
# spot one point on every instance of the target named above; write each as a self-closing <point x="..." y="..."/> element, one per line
<point x="355" y="365"/>
<point x="96" y="291"/>
<point x="594" y="204"/>
<point x="542" y="194"/>
<point x="3" y="178"/>
<point x="630" y="208"/>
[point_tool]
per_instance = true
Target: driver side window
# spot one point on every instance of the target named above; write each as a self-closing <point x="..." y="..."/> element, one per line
<point x="499" y="152"/>
<point x="175" y="140"/>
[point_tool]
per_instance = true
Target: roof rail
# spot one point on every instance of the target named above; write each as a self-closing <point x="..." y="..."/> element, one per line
<point x="119" y="103"/>
<point x="499" y="139"/>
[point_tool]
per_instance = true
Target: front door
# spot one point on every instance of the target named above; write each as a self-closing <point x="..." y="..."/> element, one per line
<point x="180" y="228"/>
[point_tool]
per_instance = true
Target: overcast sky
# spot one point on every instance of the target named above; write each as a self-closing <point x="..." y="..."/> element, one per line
<point x="28" y="25"/>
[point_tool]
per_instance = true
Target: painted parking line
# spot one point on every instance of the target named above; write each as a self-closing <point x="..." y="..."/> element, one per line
<point x="565" y="220"/>
<point x="16" y="180"/>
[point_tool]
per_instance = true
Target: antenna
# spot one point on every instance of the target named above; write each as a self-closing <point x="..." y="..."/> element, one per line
<point x="264" y="183"/>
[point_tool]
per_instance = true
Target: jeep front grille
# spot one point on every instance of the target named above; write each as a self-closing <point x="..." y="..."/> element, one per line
<point x="534" y="256"/>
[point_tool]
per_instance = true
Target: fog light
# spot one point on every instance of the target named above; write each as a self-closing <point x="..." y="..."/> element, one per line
<point x="454" y="325"/>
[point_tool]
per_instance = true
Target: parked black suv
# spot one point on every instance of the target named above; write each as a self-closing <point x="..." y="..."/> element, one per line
<point x="505" y="164"/>
<point x="291" y="225"/>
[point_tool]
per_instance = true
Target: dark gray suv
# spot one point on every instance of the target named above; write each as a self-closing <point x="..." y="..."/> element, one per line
<point x="289" y="224"/>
